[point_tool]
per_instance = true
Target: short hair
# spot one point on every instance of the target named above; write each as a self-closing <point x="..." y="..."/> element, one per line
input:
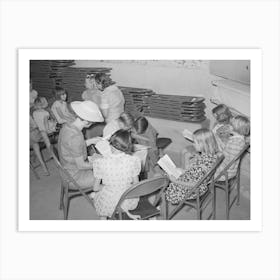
<point x="222" y="113"/>
<point x="241" y="125"/>
<point x="103" y="79"/>
<point x="58" y="91"/>
<point x="141" y="125"/>
<point x="205" y="141"/>
<point x="127" y="120"/>
<point x="121" y="140"/>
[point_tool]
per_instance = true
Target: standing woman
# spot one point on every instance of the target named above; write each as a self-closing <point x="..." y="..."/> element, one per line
<point x="91" y="93"/>
<point x="112" y="100"/>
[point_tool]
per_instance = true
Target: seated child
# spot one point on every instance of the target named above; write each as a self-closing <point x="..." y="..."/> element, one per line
<point x="45" y="124"/>
<point x="222" y="128"/>
<point x="118" y="172"/>
<point x="199" y="164"/>
<point x="60" y="107"/>
<point x="35" y="137"/>
<point x="125" y="121"/>
<point x="235" y="143"/>
<point x="148" y="137"/>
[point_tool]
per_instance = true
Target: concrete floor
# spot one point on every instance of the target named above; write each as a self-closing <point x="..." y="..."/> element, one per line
<point x="45" y="192"/>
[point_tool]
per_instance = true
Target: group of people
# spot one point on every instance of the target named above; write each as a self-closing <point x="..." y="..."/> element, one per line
<point x="111" y="175"/>
<point x="228" y="137"/>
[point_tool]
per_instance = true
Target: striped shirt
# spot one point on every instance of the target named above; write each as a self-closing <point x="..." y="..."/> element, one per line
<point x="234" y="145"/>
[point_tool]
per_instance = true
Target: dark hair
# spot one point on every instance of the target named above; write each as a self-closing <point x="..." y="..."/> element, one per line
<point x="58" y="91"/>
<point x="141" y="125"/>
<point x="127" y="120"/>
<point x="121" y="140"/>
<point x="222" y="113"/>
<point x="104" y="80"/>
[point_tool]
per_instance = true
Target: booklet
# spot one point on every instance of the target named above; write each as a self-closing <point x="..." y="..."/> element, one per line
<point x="169" y="167"/>
<point x="188" y="134"/>
<point x="104" y="148"/>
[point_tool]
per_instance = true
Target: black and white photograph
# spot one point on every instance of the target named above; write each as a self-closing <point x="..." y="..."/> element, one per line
<point x="139" y="139"/>
<point x="145" y="139"/>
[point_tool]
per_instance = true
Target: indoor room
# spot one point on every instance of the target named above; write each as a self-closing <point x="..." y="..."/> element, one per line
<point x="139" y="139"/>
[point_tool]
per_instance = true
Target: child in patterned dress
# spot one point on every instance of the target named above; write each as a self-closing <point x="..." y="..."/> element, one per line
<point x="118" y="172"/>
<point x="197" y="166"/>
<point x="222" y="128"/>
<point x="234" y="144"/>
<point x="60" y="107"/>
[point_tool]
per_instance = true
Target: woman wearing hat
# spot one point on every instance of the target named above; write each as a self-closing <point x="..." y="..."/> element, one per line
<point x="112" y="100"/>
<point x="72" y="145"/>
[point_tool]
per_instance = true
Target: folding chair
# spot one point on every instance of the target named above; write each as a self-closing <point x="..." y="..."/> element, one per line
<point x="145" y="209"/>
<point x="69" y="187"/>
<point x="200" y="202"/>
<point x="53" y="140"/>
<point x="229" y="184"/>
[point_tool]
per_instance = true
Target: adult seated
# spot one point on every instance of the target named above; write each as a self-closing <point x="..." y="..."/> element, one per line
<point x="72" y="145"/>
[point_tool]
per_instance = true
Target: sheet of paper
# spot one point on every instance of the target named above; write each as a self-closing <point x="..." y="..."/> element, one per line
<point x="169" y="167"/>
<point x="103" y="146"/>
<point x="188" y="134"/>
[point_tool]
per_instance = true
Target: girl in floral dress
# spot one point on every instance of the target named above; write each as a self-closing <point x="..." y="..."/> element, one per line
<point x="222" y="128"/>
<point x="197" y="166"/>
<point x="118" y="172"/>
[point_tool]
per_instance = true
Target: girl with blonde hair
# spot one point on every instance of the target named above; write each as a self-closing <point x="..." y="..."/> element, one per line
<point x="199" y="163"/>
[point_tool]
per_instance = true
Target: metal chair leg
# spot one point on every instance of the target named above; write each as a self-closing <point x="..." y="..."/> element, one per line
<point x="238" y="189"/>
<point x="227" y="203"/>
<point x="66" y="204"/>
<point x="34" y="171"/>
<point x="214" y="203"/>
<point x="61" y="197"/>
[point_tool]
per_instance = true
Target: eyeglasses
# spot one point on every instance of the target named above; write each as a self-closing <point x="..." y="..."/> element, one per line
<point x="90" y="76"/>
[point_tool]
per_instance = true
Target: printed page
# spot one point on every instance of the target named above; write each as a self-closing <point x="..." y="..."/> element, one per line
<point x="169" y="167"/>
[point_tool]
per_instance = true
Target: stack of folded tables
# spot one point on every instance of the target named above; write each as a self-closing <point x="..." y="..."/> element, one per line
<point x="177" y="108"/>
<point x="73" y="79"/>
<point x="137" y="100"/>
<point x="46" y="74"/>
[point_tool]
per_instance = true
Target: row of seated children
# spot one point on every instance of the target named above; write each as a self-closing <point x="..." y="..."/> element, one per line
<point x="228" y="137"/>
<point x="44" y="120"/>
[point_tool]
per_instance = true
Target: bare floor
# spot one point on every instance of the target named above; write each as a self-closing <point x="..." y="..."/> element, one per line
<point x="45" y="192"/>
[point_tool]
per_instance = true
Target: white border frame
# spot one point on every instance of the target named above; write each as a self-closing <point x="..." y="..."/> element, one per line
<point x="254" y="224"/>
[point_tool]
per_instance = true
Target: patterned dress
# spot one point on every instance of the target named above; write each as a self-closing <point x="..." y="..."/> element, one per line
<point x="199" y="165"/>
<point x="116" y="172"/>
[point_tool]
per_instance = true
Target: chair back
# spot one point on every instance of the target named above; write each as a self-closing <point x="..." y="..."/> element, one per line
<point x="146" y="187"/>
<point x="143" y="188"/>
<point x="64" y="174"/>
<point x="238" y="158"/>
<point x="207" y="178"/>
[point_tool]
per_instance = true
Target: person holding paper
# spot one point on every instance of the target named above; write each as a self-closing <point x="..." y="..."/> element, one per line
<point x="118" y="171"/>
<point x="197" y="166"/>
<point x="72" y="145"/>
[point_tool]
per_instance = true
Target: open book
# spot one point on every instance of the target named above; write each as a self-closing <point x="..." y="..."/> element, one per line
<point x="188" y="134"/>
<point x="169" y="167"/>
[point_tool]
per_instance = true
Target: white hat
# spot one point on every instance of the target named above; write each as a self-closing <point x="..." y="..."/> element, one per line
<point x="87" y="110"/>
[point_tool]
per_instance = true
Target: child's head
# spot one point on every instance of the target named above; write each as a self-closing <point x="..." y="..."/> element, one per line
<point x="90" y="81"/>
<point x="141" y="125"/>
<point x="40" y="103"/>
<point x="205" y="141"/>
<point x="241" y="125"/>
<point x="126" y="121"/>
<point x="222" y="113"/>
<point x="121" y="140"/>
<point x="60" y="93"/>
